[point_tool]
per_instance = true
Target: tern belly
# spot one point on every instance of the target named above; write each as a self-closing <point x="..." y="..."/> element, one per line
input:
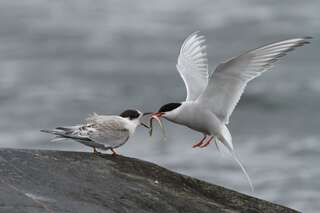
<point x="199" y="119"/>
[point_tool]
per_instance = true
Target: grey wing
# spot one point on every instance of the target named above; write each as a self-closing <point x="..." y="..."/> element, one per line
<point x="230" y="78"/>
<point x="78" y="133"/>
<point x="109" y="131"/>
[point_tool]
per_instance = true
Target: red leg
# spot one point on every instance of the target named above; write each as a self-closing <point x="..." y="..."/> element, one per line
<point x="207" y="143"/>
<point x="200" y="143"/>
<point x="113" y="152"/>
<point x="95" y="152"/>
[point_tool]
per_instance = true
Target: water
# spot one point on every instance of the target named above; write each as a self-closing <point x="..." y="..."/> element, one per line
<point x="61" y="60"/>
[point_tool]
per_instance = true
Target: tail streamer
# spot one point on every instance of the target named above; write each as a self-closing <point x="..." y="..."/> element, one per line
<point x="237" y="160"/>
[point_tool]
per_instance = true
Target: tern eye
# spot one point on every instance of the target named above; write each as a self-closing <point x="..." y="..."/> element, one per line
<point x="169" y="107"/>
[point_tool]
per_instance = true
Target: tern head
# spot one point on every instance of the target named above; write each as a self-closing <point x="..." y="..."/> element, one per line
<point x="133" y="115"/>
<point x="168" y="111"/>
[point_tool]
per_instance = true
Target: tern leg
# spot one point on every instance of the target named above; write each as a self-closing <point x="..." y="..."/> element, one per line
<point x="113" y="152"/>
<point x="95" y="150"/>
<point x="200" y="143"/>
<point x="207" y="143"/>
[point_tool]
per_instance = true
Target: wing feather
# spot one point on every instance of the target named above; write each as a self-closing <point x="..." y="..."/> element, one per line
<point x="230" y="78"/>
<point x="108" y="130"/>
<point x="192" y="65"/>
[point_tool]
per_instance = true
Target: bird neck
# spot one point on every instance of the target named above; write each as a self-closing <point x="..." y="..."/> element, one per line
<point x="131" y="125"/>
<point x="179" y="114"/>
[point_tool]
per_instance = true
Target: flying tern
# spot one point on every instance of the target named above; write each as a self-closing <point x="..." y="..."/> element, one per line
<point x="105" y="132"/>
<point x="211" y="100"/>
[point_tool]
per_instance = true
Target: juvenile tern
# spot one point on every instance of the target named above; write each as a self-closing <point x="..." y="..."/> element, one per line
<point x="211" y="100"/>
<point x="105" y="132"/>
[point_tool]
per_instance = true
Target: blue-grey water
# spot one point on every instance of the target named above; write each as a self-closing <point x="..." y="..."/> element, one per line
<point x="61" y="60"/>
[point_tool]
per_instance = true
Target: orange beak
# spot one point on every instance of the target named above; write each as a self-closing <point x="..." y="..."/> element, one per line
<point x="157" y="115"/>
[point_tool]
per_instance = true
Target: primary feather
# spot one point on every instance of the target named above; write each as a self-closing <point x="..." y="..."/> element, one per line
<point x="230" y="78"/>
<point x="192" y="65"/>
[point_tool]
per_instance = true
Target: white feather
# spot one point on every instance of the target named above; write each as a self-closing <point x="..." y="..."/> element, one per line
<point x="192" y="65"/>
<point x="99" y="131"/>
<point x="57" y="139"/>
<point x="230" y="78"/>
<point x="234" y="156"/>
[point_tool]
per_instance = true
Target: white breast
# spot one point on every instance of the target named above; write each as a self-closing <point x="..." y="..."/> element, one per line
<point x="131" y="125"/>
<point x="197" y="118"/>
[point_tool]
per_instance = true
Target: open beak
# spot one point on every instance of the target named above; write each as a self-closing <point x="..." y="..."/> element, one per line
<point x="157" y="115"/>
<point x="147" y="113"/>
<point x="143" y="124"/>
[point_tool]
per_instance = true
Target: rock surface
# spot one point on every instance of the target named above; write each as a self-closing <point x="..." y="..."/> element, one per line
<point x="54" y="181"/>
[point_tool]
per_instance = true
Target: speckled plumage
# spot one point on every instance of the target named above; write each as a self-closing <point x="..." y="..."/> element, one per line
<point x="100" y="131"/>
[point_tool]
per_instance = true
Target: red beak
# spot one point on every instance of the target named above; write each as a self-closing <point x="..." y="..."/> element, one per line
<point x="157" y="114"/>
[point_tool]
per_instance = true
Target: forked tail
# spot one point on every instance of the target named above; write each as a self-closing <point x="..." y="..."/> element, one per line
<point x="73" y="132"/>
<point x="226" y="139"/>
<point x="235" y="157"/>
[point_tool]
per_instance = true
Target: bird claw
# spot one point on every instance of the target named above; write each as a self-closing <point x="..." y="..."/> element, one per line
<point x="207" y="143"/>
<point x="197" y="144"/>
<point x="204" y="145"/>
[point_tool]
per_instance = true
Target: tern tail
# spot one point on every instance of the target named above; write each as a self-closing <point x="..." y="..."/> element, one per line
<point x="72" y="132"/>
<point x="235" y="157"/>
<point x="226" y="139"/>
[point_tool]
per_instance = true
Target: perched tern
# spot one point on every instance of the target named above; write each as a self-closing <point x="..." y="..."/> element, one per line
<point x="211" y="100"/>
<point x="105" y="132"/>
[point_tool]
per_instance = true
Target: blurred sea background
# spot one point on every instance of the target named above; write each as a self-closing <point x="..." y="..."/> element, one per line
<point x="61" y="60"/>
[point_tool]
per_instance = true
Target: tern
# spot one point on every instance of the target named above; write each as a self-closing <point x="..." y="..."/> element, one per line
<point x="105" y="132"/>
<point x="211" y="100"/>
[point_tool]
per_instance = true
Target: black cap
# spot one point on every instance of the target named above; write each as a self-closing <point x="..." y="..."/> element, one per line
<point x="130" y="113"/>
<point x="169" y="107"/>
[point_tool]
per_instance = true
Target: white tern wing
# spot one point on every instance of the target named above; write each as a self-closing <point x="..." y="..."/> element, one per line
<point x="192" y="65"/>
<point x="230" y="78"/>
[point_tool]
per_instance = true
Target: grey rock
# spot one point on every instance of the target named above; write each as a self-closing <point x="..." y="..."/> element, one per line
<point x="55" y="181"/>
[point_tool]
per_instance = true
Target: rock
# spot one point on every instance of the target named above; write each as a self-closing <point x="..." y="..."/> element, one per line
<point x="55" y="181"/>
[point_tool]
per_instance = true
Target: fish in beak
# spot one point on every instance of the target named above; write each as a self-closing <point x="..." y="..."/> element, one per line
<point x="157" y="116"/>
<point x="144" y="125"/>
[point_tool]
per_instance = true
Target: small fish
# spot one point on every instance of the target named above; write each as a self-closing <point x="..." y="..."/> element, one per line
<point x="160" y="124"/>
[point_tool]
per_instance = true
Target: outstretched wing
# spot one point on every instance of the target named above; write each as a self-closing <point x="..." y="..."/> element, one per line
<point x="230" y="78"/>
<point x="192" y="65"/>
